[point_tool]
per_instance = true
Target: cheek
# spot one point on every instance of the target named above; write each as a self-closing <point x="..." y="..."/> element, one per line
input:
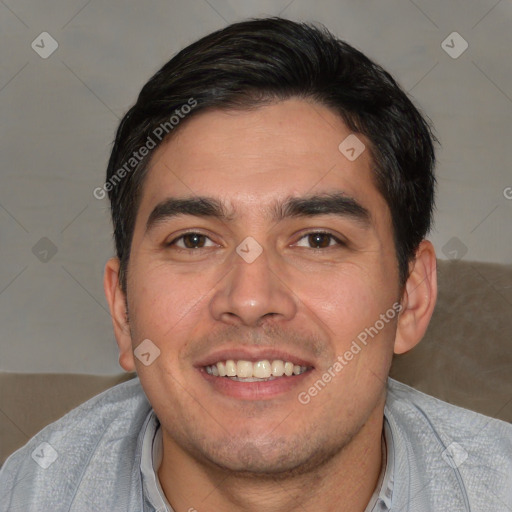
<point x="347" y="299"/>
<point x="348" y="305"/>
<point x="162" y="302"/>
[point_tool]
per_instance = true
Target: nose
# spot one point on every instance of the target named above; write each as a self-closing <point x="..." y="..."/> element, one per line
<point x="252" y="292"/>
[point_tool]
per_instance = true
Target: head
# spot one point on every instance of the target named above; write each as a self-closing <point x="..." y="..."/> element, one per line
<point x="240" y="135"/>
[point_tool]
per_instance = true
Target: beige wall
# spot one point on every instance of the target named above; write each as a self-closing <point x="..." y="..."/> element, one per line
<point x="58" y="117"/>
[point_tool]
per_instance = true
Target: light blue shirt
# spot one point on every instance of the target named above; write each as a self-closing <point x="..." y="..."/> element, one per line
<point x="104" y="456"/>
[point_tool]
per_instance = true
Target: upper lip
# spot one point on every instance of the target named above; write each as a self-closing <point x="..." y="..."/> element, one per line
<point x="252" y="354"/>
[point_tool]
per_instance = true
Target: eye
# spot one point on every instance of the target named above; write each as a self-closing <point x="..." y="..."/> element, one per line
<point x="190" y="240"/>
<point x="320" y="239"/>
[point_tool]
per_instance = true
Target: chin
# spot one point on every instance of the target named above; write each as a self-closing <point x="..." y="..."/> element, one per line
<point x="272" y="457"/>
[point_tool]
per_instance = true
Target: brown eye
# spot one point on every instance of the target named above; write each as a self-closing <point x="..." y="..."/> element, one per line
<point x="190" y="241"/>
<point x="193" y="240"/>
<point x="320" y="240"/>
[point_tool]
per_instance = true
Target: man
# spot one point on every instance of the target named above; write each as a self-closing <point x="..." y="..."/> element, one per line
<point x="271" y="191"/>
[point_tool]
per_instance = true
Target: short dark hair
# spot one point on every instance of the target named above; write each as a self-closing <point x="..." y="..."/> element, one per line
<point x="261" y="61"/>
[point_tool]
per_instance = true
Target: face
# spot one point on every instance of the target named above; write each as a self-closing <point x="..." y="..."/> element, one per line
<point x="267" y="271"/>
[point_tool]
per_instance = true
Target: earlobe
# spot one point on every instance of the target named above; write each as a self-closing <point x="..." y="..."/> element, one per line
<point x="117" y="304"/>
<point x="419" y="299"/>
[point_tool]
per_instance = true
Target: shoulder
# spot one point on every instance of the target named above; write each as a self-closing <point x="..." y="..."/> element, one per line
<point x="457" y="451"/>
<point x="90" y="450"/>
<point x="423" y="408"/>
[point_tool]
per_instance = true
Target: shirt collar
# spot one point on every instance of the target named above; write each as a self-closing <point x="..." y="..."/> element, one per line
<point x="381" y="498"/>
<point x="151" y="458"/>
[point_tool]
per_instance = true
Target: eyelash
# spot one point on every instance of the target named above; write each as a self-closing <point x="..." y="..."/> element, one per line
<point x="332" y="237"/>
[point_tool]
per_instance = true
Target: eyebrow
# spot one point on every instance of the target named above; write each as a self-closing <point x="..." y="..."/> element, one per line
<point x="306" y="206"/>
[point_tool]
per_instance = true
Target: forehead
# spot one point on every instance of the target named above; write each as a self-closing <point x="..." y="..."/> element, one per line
<point x="250" y="159"/>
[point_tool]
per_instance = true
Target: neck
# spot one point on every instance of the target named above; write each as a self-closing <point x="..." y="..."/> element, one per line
<point x="345" y="483"/>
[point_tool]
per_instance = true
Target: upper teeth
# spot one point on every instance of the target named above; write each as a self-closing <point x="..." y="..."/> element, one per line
<point x="260" y="369"/>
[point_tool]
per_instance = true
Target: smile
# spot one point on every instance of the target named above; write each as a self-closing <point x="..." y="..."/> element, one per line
<point x="248" y="371"/>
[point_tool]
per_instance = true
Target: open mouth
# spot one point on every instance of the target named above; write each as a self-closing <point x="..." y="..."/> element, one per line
<point x="248" y="371"/>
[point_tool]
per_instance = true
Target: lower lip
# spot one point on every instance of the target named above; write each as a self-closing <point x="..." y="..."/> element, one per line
<point x="262" y="390"/>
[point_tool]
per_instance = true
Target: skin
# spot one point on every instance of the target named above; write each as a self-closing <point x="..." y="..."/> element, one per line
<point x="221" y="452"/>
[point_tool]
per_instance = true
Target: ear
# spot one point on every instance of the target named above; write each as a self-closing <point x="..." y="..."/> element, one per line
<point x="418" y="300"/>
<point x="117" y="303"/>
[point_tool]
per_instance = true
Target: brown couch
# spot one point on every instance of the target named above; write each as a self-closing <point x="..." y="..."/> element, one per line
<point x="465" y="358"/>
